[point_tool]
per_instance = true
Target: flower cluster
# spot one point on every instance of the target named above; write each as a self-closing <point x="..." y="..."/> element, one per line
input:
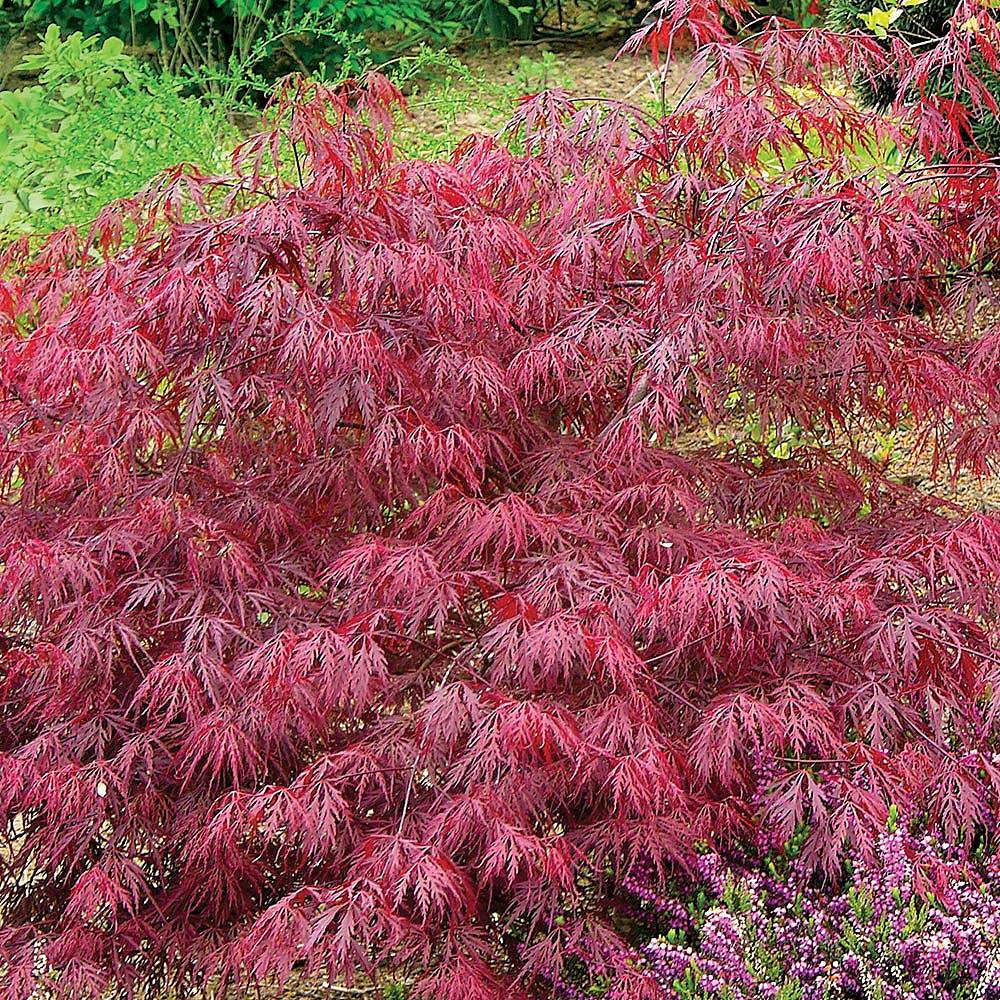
<point x="920" y="920"/>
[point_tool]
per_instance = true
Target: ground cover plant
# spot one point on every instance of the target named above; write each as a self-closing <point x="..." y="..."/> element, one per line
<point x="920" y="919"/>
<point x="363" y="608"/>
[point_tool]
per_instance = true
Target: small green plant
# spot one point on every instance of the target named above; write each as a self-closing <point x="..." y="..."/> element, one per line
<point x="753" y="431"/>
<point x="244" y="78"/>
<point x="448" y="99"/>
<point x="97" y="126"/>
<point x="542" y="73"/>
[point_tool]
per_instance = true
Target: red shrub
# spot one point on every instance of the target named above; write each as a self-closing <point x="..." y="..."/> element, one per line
<point x="360" y="605"/>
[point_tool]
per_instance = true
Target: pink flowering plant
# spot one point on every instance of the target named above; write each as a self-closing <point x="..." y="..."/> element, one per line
<point x="919" y="919"/>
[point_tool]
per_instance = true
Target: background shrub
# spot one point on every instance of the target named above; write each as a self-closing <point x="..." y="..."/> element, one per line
<point x="218" y="45"/>
<point x="96" y="127"/>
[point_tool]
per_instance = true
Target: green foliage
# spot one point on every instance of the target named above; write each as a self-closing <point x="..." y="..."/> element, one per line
<point x="97" y="127"/>
<point x="505" y="20"/>
<point x="913" y="21"/>
<point x="808" y="13"/>
<point x="542" y="73"/>
<point x="244" y="78"/>
<point x="224" y="41"/>
<point x="880" y="19"/>
<point x="519" y="20"/>
<point x="143" y="19"/>
<point x="986" y="126"/>
<point x="107" y="18"/>
<point x="448" y="98"/>
<point x="394" y="991"/>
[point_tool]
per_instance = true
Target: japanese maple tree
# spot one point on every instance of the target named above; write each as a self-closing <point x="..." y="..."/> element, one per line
<point x="371" y="596"/>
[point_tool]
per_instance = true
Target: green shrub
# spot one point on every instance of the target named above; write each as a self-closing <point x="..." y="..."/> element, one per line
<point x="505" y="20"/>
<point x="90" y="17"/>
<point x="97" y="127"/>
<point x="808" y="13"/>
<point x="223" y="41"/>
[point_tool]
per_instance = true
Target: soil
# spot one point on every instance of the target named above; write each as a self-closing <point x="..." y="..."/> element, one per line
<point x="591" y="70"/>
<point x="915" y="467"/>
<point x="11" y="55"/>
<point x="594" y="69"/>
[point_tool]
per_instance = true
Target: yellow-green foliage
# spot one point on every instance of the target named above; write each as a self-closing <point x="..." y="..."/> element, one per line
<point x="96" y="127"/>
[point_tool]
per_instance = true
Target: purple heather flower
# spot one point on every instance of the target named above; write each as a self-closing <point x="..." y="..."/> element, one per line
<point x="769" y="933"/>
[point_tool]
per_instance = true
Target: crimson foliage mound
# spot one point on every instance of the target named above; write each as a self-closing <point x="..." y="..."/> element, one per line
<point x="364" y="603"/>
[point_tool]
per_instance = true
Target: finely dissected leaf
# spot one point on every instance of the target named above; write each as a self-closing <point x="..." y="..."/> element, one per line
<point x="370" y="594"/>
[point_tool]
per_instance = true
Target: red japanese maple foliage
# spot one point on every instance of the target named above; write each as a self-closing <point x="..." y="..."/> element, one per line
<point x="365" y="603"/>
